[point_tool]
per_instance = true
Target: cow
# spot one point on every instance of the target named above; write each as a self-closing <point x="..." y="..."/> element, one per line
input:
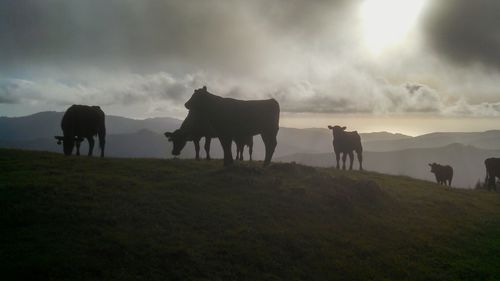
<point x="443" y="173"/>
<point x="82" y="122"/>
<point x="191" y="130"/>
<point x="240" y="147"/>
<point x="345" y="143"/>
<point x="233" y="119"/>
<point x="492" y="172"/>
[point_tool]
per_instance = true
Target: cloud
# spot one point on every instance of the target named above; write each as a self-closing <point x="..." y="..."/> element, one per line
<point x="122" y="90"/>
<point x="465" y="31"/>
<point x="163" y="93"/>
<point x="227" y="36"/>
<point x="307" y="54"/>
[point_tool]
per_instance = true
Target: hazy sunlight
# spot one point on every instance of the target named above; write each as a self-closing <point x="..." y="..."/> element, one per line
<point x="388" y="22"/>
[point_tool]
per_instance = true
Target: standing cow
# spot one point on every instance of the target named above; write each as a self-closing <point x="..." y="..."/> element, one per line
<point x="234" y="119"/>
<point x="345" y="143"/>
<point x="492" y="172"/>
<point x="192" y="129"/>
<point x="443" y="173"/>
<point x="80" y="122"/>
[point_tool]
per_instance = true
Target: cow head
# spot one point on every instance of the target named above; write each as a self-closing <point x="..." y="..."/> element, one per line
<point x="434" y="167"/>
<point x="179" y="139"/>
<point x="197" y="99"/>
<point x="68" y="143"/>
<point x="337" y="130"/>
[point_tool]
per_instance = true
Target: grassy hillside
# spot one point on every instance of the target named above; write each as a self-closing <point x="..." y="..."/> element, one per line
<point x="127" y="219"/>
<point x="467" y="162"/>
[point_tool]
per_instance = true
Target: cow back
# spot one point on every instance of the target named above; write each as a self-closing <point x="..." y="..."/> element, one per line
<point x="347" y="142"/>
<point x="241" y="118"/>
<point x="83" y="121"/>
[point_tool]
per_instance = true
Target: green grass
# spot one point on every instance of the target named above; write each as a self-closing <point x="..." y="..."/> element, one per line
<point x="150" y="219"/>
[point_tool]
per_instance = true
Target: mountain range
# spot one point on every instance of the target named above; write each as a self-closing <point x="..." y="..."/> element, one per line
<point x="383" y="152"/>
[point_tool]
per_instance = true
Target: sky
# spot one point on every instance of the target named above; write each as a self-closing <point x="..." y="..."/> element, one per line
<point x="409" y="66"/>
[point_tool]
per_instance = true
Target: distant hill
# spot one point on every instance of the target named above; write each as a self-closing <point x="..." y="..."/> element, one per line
<point x="38" y="130"/>
<point x="144" y="138"/>
<point x="48" y="124"/>
<point x="485" y="140"/>
<point x="467" y="162"/>
<point x="66" y="218"/>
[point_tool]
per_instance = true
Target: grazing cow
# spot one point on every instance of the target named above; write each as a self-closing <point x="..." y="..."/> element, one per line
<point x="345" y="143"/>
<point x="240" y="147"/>
<point x="443" y="173"/>
<point x="191" y="130"/>
<point x="492" y="172"/>
<point x="79" y="122"/>
<point x="233" y="119"/>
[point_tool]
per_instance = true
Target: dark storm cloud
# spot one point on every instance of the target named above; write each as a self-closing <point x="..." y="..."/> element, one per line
<point x="215" y="33"/>
<point x="465" y="31"/>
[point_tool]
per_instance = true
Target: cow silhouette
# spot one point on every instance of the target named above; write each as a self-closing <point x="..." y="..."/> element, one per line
<point x="240" y="147"/>
<point x="345" y="143"/>
<point x="233" y="119"/>
<point x="443" y="173"/>
<point x="492" y="172"/>
<point x="192" y="129"/>
<point x="82" y="122"/>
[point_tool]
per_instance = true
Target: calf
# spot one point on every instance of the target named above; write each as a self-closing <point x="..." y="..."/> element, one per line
<point x="240" y="146"/>
<point x="443" y="173"/>
<point x="492" y="172"/>
<point x="345" y="143"/>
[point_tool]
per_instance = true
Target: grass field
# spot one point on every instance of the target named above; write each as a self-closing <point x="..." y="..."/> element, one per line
<point x="86" y="218"/>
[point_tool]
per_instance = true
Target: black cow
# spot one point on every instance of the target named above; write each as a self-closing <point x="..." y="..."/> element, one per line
<point x="233" y="119"/>
<point x="345" y="143"/>
<point x="240" y="147"/>
<point x="492" y="172"/>
<point x="79" y="122"/>
<point x="191" y="130"/>
<point x="443" y="173"/>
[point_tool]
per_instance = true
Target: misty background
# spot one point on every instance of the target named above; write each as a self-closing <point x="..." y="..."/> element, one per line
<point x="384" y="152"/>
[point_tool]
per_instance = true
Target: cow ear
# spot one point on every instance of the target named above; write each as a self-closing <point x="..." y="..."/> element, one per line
<point x="330" y="127"/>
<point x="168" y="134"/>
<point x="343" y="128"/>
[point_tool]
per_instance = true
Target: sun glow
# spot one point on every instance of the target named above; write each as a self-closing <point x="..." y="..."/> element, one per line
<point x="389" y="22"/>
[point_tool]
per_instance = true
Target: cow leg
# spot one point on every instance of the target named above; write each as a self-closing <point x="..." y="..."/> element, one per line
<point x="250" y="150"/>
<point x="337" y="156"/>
<point x="102" y="142"/>
<point x="238" y="151"/>
<point x="241" y="152"/>
<point x="492" y="185"/>
<point x="351" y="159"/>
<point x="196" y="143"/>
<point x="226" y="147"/>
<point x="207" y="146"/>
<point x="91" y="145"/>
<point x="344" y="157"/>
<point x="359" y="153"/>
<point x="78" y="148"/>
<point x="270" y="144"/>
